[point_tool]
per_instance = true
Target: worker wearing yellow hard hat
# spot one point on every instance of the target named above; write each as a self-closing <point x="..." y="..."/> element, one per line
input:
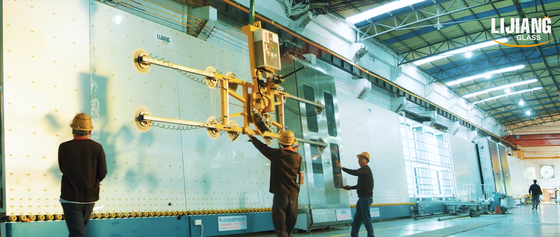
<point x="365" y="194"/>
<point x="284" y="170"/>
<point x="83" y="167"/>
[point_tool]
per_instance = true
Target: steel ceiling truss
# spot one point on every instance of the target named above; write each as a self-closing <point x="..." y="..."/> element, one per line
<point x="514" y="105"/>
<point x="541" y="74"/>
<point x="489" y="62"/>
<point x="531" y="122"/>
<point x="525" y="56"/>
<point x="418" y="16"/>
<point x="510" y="108"/>
<point x="538" y="53"/>
<point x="444" y="45"/>
<point x="454" y="64"/>
<point x="495" y="82"/>
<point x="341" y="5"/>
<point x="483" y="52"/>
<point x="513" y="117"/>
<point x="466" y="40"/>
<point x="539" y="113"/>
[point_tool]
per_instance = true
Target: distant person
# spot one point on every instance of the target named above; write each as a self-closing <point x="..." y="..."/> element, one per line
<point x="83" y="167"/>
<point x="555" y="195"/>
<point x="285" y="166"/>
<point x="365" y="194"/>
<point x="536" y="191"/>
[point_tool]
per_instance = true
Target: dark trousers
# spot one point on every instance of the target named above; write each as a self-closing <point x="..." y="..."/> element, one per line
<point x="77" y="218"/>
<point x="536" y="201"/>
<point x="362" y="215"/>
<point x="284" y="214"/>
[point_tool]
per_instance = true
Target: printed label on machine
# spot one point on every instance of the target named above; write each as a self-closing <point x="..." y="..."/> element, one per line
<point x="343" y="214"/>
<point x="162" y="40"/>
<point x="228" y="223"/>
<point x="374" y="212"/>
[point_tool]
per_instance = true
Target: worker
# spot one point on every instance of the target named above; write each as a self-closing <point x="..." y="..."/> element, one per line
<point x="536" y="191"/>
<point x="83" y="167"/>
<point x="285" y="165"/>
<point x="365" y="194"/>
<point x="555" y="195"/>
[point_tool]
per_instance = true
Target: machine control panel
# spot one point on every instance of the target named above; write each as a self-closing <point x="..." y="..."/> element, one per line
<point x="267" y="49"/>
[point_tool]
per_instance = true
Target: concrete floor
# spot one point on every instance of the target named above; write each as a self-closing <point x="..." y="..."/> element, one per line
<point x="521" y="221"/>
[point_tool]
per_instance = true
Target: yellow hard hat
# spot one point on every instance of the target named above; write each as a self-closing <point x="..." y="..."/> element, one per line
<point x="364" y="155"/>
<point x="287" y="138"/>
<point x="82" y="122"/>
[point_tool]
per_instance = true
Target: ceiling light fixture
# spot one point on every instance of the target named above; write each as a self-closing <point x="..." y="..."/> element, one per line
<point x="468" y="54"/>
<point x="512" y="93"/>
<point x="528" y="112"/>
<point x="507" y="69"/>
<point x="521" y="102"/>
<point x="500" y="88"/>
<point x="389" y="7"/>
<point x="460" y="51"/>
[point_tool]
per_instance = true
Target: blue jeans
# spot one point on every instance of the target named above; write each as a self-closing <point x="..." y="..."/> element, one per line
<point x="77" y="218"/>
<point x="536" y="200"/>
<point x="362" y="215"/>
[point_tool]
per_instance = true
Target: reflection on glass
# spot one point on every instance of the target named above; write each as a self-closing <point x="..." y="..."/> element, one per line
<point x="317" y="164"/>
<point x="308" y="94"/>
<point x="337" y="173"/>
<point x="428" y="161"/>
<point x="329" y="108"/>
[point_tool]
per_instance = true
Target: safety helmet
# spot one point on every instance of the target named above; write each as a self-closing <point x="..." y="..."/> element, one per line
<point x="364" y="155"/>
<point x="287" y="138"/>
<point x="82" y="122"/>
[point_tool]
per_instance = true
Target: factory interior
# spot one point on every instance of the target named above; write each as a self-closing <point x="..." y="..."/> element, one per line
<point x="265" y="118"/>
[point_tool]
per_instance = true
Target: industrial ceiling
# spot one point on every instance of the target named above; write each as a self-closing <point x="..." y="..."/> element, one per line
<point x="425" y="29"/>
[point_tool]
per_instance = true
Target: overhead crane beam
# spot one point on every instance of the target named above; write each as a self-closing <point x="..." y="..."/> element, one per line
<point x="535" y="140"/>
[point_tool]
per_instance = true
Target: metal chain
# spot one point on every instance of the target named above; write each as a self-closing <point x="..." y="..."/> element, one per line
<point x="186" y="74"/>
<point x="183" y="127"/>
<point x="295" y="111"/>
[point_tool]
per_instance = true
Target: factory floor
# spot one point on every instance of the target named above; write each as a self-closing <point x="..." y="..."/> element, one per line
<point x="521" y="221"/>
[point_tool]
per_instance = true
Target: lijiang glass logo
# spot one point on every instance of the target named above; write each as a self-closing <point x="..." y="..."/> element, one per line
<point x="524" y="28"/>
<point x="163" y="39"/>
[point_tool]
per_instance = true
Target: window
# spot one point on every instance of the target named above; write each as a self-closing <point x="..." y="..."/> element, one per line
<point x="329" y="107"/>
<point x="308" y="94"/>
<point x="428" y="162"/>
<point x="337" y="173"/>
<point x="317" y="164"/>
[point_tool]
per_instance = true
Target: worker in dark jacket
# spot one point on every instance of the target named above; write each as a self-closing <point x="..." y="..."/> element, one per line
<point x="365" y="194"/>
<point x="83" y="167"/>
<point x="285" y="165"/>
<point x="536" y="191"/>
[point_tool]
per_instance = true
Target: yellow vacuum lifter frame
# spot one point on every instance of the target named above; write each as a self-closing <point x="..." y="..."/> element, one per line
<point x="253" y="101"/>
